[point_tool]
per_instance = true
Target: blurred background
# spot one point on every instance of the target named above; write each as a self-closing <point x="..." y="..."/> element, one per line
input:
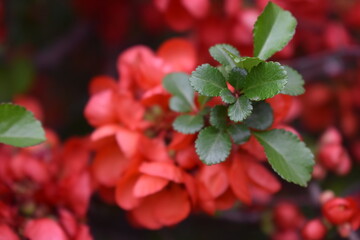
<point x="50" y="50"/>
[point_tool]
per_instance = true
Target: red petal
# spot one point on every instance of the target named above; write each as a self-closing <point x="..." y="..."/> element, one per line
<point x="261" y="177"/>
<point x="238" y="180"/>
<point x="44" y="229"/>
<point x="172" y="205"/>
<point x="101" y="83"/>
<point x="178" y="17"/>
<point x="165" y="170"/>
<point x="214" y="178"/>
<point x="143" y="215"/>
<point x="179" y="53"/>
<point x="198" y="8"/>
<point x="181" y="141"/>
<point x="68" y="222"/>
<point x="100" y="109"/>
<point x="124" y="194"/>
<point x="104" y="131"/>
<point x="109" y="164"/>
<point x="154" y="149"/>
<point x="226" y="200"/>
<point x="6" y="233"/>
<point x="147" y="185"/>
<point x="83" y="233"/>
<point x="128" y="141"/>
<point x="187" y="158"/>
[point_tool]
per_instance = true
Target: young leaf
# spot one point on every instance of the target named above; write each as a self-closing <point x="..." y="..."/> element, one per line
<point x="239" y="133"/>
<point x="237" y="78"/>
<point x="218" y="117"/>
<point x="227" y="97"/>
<point x="250" y="62"/>
<point x="288" y="156"/>
<point x="213" y="145"/>
<point x="18" y="127"/>
<point x="261" y="117"/>
<point x="265" y="81"/>
<point x="220" y="53"/>
<point x="183" y="94"/>
<point x="188" y="124"/>
<point x="240" y="110"/>
<point x="207" y="80"/>
<point x="273" y="29"/>
<point x="295" y="84"/>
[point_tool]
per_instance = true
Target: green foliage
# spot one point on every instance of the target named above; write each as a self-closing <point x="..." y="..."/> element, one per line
<point x="218" y="117"/>
<point x="213" y="145"/>
<point x="239" y="133"/>
<point x="295" y="84"/>
<point x="237" y="77"/>
<point x="18" y="127"/>
<point x="240" y="110"/>
<point x="261" y="117"/>
<point x="188" y="124"/>
<point x="273" y="29"/>
<point x="183" y="94"/>
<point x="227" y="96"/>
<point x="265" y="81"/>
<point x="220" y="53"/>
<point x="207" y="80"/>
<point x="252" y="81"/>
<point x="288" y="156"/>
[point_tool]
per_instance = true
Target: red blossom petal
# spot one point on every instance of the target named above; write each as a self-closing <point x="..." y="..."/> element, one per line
<point x="179" y="53"/>
<point x="172" y="205"/>
<point x="147" y="185"/>
<point x="124" y="193"/>
<point x="143" y="215"/>
<point x="104" y="131"/>
<point x="181" y="141"/>
<point x="238" y="180"/>
<point x="166" y="170"/>
<point x="187" y="158"/>
<point x="198" y="8"/>
<point x="101" y="83"/>
<point x="154" y="149"/>
<point x="100" y="109"/>
<point x="215" y="179"/>
<point x="128" y="141"/>
<point x="83" y="233"/>
<point x="226" y="200"/>
<point x="109" y="164"/>
<point x="261" y="177"/>
<point x="177" y="16"/>
<point x="6" y="233"/>
<point x="44" y="229"/>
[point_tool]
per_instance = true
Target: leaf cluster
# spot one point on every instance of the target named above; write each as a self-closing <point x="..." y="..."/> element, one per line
<point x="243" y="84"/>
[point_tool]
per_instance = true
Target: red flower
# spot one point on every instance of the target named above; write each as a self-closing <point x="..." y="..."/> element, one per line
<point x="314" y="230"/>
<point x="339" y="210"/>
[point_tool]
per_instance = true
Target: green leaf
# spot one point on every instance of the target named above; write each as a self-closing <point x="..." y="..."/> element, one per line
<point x="188" y="124"/>
<point x="227" y="96"/>
<point x="240" y="110"/>
<point x="213" y="145"/>
<point x="273" y="29"/>
<point x="261" y="117"/>
<point x="237" y="78"/>
<point x="207" y="80"/>
<point x="295" y="84"/>
<point x="250" y="62"/>
<point x="265" y="81"/>
<point x="183" y="94"/>
<point x="218" y="117"/>
<point x="288" y="156"/>
<point x="239" y="133"/>
<point x="18" y="127"/>
<point x="220" y="53"/>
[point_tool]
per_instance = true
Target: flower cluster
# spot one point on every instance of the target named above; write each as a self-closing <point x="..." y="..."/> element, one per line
<point x="149" y="169"/>
<point x="45" y="189"/>
<point x="340" y="212"/>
